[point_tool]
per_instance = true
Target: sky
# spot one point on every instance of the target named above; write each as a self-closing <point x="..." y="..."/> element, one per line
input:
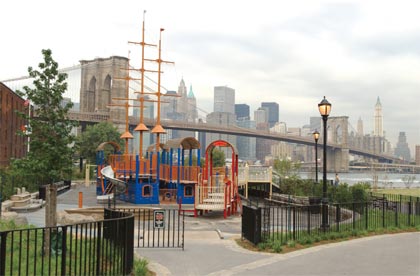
<point x="289" y="52"/>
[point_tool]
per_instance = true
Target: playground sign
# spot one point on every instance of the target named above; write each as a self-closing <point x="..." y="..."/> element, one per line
<point x="159" y="219"/>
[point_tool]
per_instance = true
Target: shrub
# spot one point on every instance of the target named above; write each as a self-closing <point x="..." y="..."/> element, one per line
<point x="262" y="246"/>
<point x="140" y="267"/>
<point x="291" y="244"/>
<point x="277" y="246"/>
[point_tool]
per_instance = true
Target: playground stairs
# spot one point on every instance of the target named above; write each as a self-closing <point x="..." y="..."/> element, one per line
<point x="214" y="201"/>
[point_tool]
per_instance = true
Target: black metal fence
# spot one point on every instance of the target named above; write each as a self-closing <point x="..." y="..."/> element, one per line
<point x="292" y="222"/>
<point x="158" y="228"/>
<point x="94" y="248"/>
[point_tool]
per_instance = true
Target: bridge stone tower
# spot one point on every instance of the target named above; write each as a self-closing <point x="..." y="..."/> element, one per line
<point x="338" y="158"/>
<point x="98" y="86"/>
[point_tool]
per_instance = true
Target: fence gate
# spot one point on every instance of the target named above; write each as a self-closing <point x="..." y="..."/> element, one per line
<point x="157" y="228"/>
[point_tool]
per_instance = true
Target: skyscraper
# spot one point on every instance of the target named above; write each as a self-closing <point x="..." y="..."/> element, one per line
<point x="272" y="112"/>
<point x="246" y="145"/>
<point x="224" y="99"/>
<point x="222" y="119"/>
<point x="192" y="106"/>
<point x="242" y="111"/>
<point x="378" y="119"/>
<point x="359" y="127"/>
<point x="402" y="150"/>
<point x="418" y="155"/>
<point x="263" y="146"/>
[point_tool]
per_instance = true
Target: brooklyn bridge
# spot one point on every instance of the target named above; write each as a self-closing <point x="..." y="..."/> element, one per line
<point x="96" y="81"/>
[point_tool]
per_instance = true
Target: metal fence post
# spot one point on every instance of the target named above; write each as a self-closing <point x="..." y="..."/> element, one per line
<point x="3" y="253"/>
<point x="98" y="248"/>
<point x="410" y="204"/>
<point x="338" y="216"/>
<point x="383" y="210"/>
<point x="63" y="250"/>
<point x="366" y="215"/>
<point x="294" y="222"/>
<point x="309" y="219"/>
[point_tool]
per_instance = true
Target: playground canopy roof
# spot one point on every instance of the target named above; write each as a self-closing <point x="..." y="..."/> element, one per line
<point x="152" y="147"/>
<point x="185" y="143"/>
<point x="113" y="144"/>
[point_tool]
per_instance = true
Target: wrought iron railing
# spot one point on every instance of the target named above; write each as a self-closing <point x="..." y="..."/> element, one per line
<point x="93" y="248"/>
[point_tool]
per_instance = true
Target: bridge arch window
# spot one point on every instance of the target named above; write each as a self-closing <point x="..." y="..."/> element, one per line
<point x="91" y="96"/>
<point x="339" y="134"/>
<point x="147" y="191"/>
<point x="106" y="93"/>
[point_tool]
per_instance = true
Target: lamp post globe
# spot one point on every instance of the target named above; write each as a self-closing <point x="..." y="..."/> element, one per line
<point x="324" y="108"/>
<point x="316" y="137"/>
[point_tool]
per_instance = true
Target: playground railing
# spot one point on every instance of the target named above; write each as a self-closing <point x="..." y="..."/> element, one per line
<point x="286" y="221"/>
<point x="95" y="248"/>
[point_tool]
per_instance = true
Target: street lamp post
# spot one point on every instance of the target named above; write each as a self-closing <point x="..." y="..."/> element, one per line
<point x="316" y="137"/>
<point x="324" y="109"/>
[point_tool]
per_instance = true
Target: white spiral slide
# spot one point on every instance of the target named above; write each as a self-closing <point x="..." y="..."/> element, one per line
<point x="120" y="185"/>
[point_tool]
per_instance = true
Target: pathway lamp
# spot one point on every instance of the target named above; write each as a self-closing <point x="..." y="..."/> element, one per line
<point x="316" y="137"/>
<point x="324" y="108"/>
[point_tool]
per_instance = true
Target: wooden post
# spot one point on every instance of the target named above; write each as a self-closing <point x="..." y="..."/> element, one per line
<point x="80" y="199"/>
<point x="87" y="178"/>
<point x="50" y="214"/>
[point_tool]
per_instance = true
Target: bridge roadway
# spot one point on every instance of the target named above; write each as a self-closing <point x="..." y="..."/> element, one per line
<point x="89" y="117"/>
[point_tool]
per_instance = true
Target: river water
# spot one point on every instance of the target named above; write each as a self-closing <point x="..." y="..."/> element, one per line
<point x="384" y="180"/>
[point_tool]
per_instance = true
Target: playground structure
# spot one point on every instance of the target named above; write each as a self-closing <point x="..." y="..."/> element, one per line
<point x="166" y="173"/>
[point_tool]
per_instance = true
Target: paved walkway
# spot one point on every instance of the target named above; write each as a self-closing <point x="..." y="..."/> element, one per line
<point x="207" y="254"/>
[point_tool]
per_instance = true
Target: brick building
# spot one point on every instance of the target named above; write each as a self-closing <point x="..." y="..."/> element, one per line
<point x="11" y="144"/>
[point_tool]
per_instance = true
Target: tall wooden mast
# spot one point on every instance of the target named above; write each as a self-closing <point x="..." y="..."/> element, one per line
<point x="158" y="129"/>
<point x="141" y="127"/>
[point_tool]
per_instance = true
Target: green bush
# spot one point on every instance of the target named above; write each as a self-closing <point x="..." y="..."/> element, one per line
<point x="291" y="244"/>
<point x="262" y="246"/>
<point x="140" y="267"/>
<point x="277" y="246"/>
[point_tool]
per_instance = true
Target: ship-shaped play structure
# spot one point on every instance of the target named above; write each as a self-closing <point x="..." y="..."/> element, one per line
<point x="168" y="172"/>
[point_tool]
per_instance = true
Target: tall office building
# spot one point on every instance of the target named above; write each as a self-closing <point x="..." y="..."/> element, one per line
<point x="272" y="112"/>
<point x="192" y="106"/>
<point x="224" y="99"/>
<point x="263" y="146"/>
<point x="315" y="123"/>
<point x="242" y="112"/>
<point x="179" y="106"/>
<point x="418" y="155"/>
<point x="359" y="127"/>
<point x="378" y="119"/>
<point x="402" y="150"/>
<point x="246" y="146"/>
<point x="222" y="119"/>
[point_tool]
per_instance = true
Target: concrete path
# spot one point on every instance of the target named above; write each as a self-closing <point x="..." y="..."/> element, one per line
<point x="380" y="255"/>
<point x="207" y="254"/>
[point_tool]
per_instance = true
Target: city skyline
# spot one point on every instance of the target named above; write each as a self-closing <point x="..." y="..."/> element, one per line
<point x="293" y="54"/>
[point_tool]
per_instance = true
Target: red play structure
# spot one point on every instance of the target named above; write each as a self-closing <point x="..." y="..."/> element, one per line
<point x="217" y="189"/>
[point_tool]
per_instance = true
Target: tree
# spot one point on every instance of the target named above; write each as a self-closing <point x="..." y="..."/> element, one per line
<point x="50" y="155"/>
<point x="408" y="180"/>
<point x="218" y="157"/>
<point x="286" y="168"/>
<point x="93" y="136"/>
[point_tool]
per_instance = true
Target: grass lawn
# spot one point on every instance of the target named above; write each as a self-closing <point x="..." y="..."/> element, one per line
<point x="404" y="191"/>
